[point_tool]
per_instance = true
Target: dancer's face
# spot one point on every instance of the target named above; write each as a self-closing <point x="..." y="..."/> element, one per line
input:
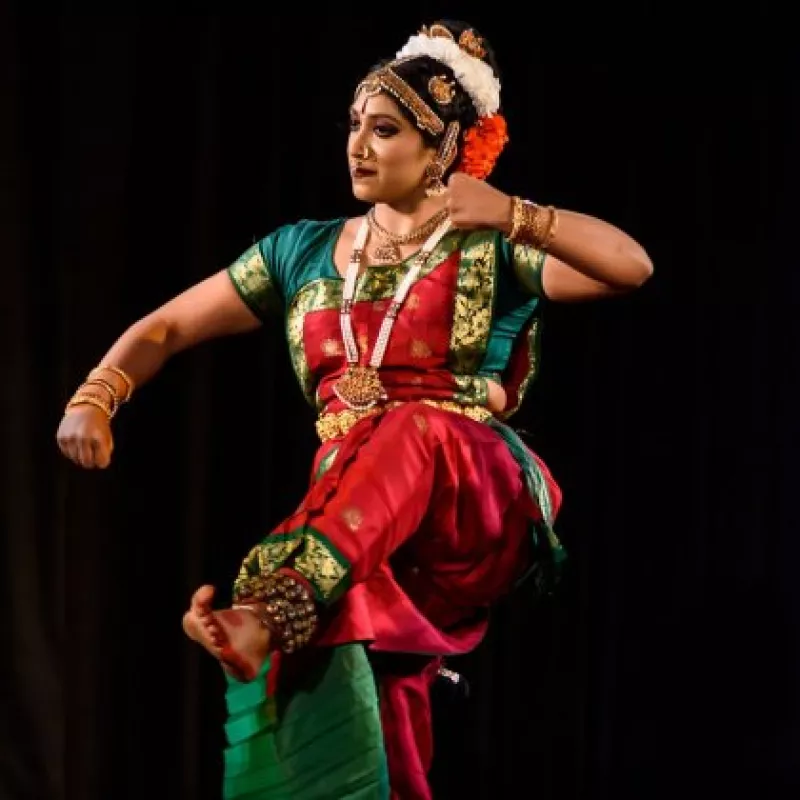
<point x="386" y="153"/>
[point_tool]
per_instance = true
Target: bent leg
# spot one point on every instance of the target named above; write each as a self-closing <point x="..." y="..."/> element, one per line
<point x="369" y="502"/>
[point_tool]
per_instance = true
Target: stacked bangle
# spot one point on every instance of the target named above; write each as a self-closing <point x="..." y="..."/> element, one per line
<point x="100" y="390"/>
<point x="532" y="224"/>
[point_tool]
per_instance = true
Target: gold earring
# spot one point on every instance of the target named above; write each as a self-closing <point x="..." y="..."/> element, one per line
<point x="433" y="179"/>
<point x="445" y="156"/>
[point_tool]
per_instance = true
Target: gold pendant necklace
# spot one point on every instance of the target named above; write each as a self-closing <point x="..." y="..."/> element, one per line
<point x="388" y="251"/>
<point x="360" y="387"/>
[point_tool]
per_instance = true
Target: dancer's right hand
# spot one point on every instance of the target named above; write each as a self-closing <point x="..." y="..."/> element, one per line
<point x="84" y="436"/>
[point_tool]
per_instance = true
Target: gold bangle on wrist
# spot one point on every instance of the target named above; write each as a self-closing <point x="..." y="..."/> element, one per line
<point x="98" y="384"/>
<point x="82" y="399"/>
<point x="532" y="224"/>
<point x="114" y="399"/>
<point x="97" y="373"/>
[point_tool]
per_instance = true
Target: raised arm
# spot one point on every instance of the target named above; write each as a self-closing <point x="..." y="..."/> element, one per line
<point x="582" y="257"/>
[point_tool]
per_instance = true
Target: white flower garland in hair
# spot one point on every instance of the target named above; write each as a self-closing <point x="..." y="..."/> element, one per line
<point x="475" y="76"/>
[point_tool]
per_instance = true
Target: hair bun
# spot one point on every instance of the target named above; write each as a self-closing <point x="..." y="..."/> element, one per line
<point x="475" y="76"/>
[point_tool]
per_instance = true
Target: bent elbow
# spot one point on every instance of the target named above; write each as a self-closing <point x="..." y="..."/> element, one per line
<point x="644" y="270"/>
<point x="639" y="269"/>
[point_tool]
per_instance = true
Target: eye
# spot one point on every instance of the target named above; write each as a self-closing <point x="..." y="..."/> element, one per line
<point x="384" y="130"/>
<point x="353" y="124"/>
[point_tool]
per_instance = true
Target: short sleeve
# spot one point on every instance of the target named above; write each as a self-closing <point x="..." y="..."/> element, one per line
<point x="254" y="280"/>
<point x="527" y="263"/>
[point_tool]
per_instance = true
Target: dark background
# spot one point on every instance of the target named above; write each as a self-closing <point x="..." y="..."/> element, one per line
<point x="142" y="152"/>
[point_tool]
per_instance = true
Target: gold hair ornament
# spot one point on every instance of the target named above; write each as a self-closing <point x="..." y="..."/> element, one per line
<point x="437" y="29"/>
<point x="442" y="90"/>
<point x="468" y="41"/>
<point x="465" y="57"/>
<point x="386" y="79"/>
<point x="471" y="43"/>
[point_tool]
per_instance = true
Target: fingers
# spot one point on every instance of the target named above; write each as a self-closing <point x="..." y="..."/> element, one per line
<point x="85" y="453"/>
<point x="102" y="456"/>
<point x="91" y="451"/>
<point x="69" y="447"/>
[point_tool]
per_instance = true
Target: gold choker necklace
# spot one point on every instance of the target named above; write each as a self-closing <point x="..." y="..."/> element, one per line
<point x="388" y="251"/>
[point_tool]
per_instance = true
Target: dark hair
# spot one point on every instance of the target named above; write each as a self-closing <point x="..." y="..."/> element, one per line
<point x="417" y="72"/>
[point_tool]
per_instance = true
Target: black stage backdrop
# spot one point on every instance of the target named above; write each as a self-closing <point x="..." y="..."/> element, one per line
<point x="141" y="153"/>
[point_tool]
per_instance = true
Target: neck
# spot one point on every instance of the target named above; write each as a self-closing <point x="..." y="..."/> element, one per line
<point x="403" y="217"/>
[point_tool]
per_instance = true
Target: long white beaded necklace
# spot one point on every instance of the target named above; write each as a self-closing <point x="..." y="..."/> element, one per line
<point x="360" y="388"/>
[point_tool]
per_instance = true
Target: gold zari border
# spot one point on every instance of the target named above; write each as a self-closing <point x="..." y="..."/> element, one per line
<point x="339" y="423"/>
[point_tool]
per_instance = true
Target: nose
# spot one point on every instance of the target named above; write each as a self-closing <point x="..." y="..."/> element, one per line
<point x="360" y="151"/>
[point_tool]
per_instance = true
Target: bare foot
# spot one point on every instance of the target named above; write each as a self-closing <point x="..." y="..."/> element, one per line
<point x="235" y="638"/>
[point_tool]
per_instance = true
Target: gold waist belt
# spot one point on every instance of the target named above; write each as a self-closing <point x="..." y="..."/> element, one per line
<point x="339" y="423"/>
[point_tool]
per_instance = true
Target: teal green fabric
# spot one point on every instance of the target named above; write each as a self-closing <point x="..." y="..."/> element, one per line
<point x="546" y="567"/>
<point x="320" y="741"/>
<point x="295" y="254"/>
<point x="299" y="253"/>
<point x="513" y="309"/>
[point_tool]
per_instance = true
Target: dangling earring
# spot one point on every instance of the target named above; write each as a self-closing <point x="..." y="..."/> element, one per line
<point x="445" y="156"/>
<point x="433" y="179"/>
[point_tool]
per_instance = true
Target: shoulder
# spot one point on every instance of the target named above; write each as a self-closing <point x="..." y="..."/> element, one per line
<point x="293" y="238"/>
<point x="299" y="252"/>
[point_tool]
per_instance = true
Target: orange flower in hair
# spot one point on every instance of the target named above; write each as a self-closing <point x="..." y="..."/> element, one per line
<point x="483" y="143"/>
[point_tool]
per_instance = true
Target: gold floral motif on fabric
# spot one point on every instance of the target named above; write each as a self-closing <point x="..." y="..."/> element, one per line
<point x="332" y="347"/>
<point x="353" y="518"/>
<point x="314" y="296"/>
<point x="268" y="555"/>
<point x="419" y="348"/>
<point x="472" y="390"/>
<point x="472" y="314"/>
<point x="307" y="552"/>
<point x="377" y="283"/>
<point x="528" y="263"/>
<point x="339" y="423"/>
<point x="252" y="280"/>
<point x="322" y="567"/>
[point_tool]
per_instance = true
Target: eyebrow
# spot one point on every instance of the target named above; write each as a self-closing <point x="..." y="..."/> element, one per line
<point x="384" y="114"/>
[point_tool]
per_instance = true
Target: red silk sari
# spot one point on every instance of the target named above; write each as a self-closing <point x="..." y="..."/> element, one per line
<point x="417" y="519"/>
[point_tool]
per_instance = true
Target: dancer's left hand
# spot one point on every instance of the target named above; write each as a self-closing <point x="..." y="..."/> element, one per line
<point x="473" y="204"/>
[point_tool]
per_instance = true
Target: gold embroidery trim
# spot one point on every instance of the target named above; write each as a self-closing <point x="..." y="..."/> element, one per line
<point x="473" y="389"/>
<point x="474" y="301"/>
<point x="530" y="375"/>
<point x="528" y="262"/>
<point x="340" y="423"/>
<point x="321" y="568"/>
<point x="375" y="284"/>
<point x="313" y="559"/>
<point x="250" y="276"/>
<point x="267" y="556"/>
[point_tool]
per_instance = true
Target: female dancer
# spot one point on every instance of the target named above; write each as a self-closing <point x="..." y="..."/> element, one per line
<point x="413" y="330"/>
